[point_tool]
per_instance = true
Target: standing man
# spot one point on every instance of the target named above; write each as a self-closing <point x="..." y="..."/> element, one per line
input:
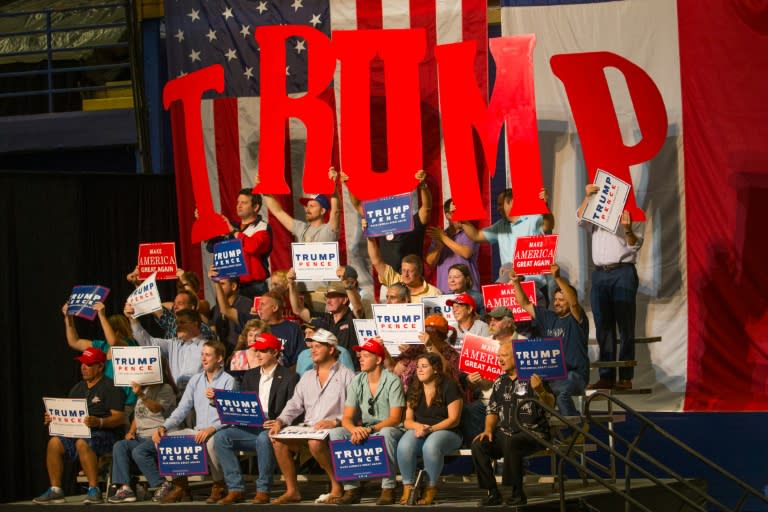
<point x="313" y="228"/>
<point x="568" y="321"/>
<point x="320" y="395"/>
<point x="375" y="405"/>
<point x="256" y="236"/>
<point x="183" y="351"/>
<point x="452" y="246"/>
<point x="614" y="293"/>
<point x="274" y="385"/>
<point x="502" y="436"/>
<point x="105" y="418"/>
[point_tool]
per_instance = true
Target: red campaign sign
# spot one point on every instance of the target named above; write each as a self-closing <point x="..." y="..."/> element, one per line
<point x="495" y="295"/>
<point x="157" y="257"/>
<point x="535" y="254"/>
<point x="480" y="355"/>
<point x="256" y="303"/>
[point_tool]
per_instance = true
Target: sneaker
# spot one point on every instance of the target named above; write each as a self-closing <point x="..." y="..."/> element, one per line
<point x="93" y="496"/>
<point x="50" y="496"/>
<point x="123" y="495"/>
<point x="162" y="491"/>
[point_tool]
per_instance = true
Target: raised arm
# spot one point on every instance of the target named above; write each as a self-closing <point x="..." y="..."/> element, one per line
<point x="568" y="292"/>
<point x="589" y="190"/>
<point x="74" y="340"/>
<point x="293" y="297"/>
<point x="334" y="218"/>
<point x="474" y="234"/>
<point x="140" y="334"/>
<point x="374" y="253"/>
<point x="277" y="211"/>
<point x="225" y="309"/>
<point x="520" y="296"/>
<point x="355" y="301"/>
<point x="425" y="208"/>
<point x="109" y="333"/>
<point x="356" y="204"/>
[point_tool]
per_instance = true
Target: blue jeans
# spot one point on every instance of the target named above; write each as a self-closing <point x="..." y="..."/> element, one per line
<point x="145" y="457"/>
<point x="391" y="436"/>
<point x="229" y="441"/>
<point x="432" y="449"/>
<point x="564" y="390"/>
<point x="613" y="297"/>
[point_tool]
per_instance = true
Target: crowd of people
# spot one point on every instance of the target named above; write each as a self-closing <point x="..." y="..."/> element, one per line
<point x="299" y="352"/>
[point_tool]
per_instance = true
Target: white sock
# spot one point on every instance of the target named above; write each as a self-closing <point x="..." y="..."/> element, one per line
<point x="56" y="489"/>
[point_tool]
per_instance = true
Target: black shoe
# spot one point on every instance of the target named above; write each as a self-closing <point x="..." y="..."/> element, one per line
<point x="493" y="499"/>
<point x="516" y="501"/>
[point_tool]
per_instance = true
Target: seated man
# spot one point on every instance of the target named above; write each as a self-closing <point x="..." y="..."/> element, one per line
<point x="275" y="385"/>
<point x="502" y="436"/>
<point x="105" y="419"/>
<point x="198" y="395"/>
<point x="320" y="395"/>
<point x="376" y="397"/>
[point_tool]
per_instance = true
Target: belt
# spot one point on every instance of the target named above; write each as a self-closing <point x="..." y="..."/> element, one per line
<point x="613" y="266"/>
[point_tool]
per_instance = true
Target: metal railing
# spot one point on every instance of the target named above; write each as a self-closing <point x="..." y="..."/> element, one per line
<point x="628" y="451"/>
<point x="49" y="50"/>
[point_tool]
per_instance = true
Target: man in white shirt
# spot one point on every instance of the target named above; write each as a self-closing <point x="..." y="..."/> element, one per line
<point x="614" y="293"/>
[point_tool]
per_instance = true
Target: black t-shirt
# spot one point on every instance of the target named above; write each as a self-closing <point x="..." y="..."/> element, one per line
<point x="433" y="414"/>
<point x="403" y="244"/>
<point x="102" y="398"/>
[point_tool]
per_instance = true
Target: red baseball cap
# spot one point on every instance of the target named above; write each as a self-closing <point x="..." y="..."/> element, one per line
<point x="463" y="298"/>
<point x="92" y="356"/>
<point x="372" y="346"/>
<point x="267" y="341"/>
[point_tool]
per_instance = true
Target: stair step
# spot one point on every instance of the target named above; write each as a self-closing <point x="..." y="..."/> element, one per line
<point x="645" y="339"/>
<point x="107" y="103"/>
<point x="613" y="364"/>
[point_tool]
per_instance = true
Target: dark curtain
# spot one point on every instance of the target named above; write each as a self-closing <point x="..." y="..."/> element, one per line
<point x="60" y="230"/>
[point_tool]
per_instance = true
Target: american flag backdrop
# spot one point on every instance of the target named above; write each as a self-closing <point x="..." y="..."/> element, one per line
<point x="701" y="271"/>
<point x="201" y="33"/>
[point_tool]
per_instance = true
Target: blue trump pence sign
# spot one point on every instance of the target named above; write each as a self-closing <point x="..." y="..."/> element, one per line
<point x="239" y="408"/>
<point x="360" y="461"/>
<point x="542" y="356"/>
<point x="181" y="456"/>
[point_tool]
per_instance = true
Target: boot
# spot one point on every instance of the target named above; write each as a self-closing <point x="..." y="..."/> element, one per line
<point x="407" y="490"/>
<point x="180" y="491"/>
<point x="218" y="491"/>
<point x="428" y="496"/>
<point x="387" y="497"/>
